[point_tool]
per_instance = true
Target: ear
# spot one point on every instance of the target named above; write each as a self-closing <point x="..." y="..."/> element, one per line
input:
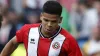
<point x="60" y="19"/>
<point x="41" y="16"/>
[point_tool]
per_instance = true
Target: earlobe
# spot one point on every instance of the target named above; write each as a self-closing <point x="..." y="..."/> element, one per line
<point x="60" y="20"/>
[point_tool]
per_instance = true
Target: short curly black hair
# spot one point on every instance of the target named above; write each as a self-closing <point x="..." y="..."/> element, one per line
<point x="52" y="7"/>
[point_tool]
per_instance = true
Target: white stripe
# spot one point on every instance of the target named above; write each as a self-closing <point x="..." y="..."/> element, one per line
<point x="55" y="52"/>
<point x="32" y="45"/>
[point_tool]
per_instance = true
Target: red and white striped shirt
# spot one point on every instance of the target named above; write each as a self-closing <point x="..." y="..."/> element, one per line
<point x="61" y="44"/>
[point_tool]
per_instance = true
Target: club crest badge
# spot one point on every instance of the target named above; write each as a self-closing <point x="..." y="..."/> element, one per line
<point x="56" y="45"/>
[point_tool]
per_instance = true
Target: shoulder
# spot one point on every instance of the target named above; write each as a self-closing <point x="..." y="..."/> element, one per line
<point x="69" y="39"/>
<point x="28" y="26"/>
<point x="31" y="25"/>
<point x="67" y="35"/>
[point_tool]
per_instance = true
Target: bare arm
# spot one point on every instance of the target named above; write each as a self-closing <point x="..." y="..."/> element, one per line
<point x="10" y="47"/>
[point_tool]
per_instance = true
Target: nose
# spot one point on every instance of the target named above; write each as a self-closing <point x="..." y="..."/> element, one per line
<point x="49" y="24"/>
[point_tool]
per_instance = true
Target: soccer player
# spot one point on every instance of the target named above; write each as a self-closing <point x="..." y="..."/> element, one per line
<point x="46" y="38"/>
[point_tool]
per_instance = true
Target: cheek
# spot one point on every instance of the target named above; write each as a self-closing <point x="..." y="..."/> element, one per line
<point x="43" y="24"/>
<point x="55" y="25"/>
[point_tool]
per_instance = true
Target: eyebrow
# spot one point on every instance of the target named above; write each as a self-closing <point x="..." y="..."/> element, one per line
<point x="45" y="19"/>
<point x="49" y="20"/>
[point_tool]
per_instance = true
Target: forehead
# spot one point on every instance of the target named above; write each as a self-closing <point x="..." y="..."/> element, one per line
<point x="50" y="16"/>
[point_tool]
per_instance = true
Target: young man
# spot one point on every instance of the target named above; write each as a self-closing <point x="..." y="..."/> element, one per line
<point x="47" y="38"/>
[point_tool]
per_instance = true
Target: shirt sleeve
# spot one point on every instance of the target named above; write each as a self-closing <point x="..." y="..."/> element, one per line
<point x="74" y="49"/>
<point x="19" y="34"/>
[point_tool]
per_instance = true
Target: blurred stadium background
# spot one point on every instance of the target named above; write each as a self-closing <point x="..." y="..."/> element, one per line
<point x="80" y="17"/>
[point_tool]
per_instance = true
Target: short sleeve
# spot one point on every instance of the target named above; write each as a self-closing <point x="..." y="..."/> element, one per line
<point x="20" y="33"/>
<point x="74" y="49"/>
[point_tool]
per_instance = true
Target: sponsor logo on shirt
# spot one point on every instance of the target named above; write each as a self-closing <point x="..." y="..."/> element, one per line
<point x="56" y="45"/>
<point x="32" y="41"/>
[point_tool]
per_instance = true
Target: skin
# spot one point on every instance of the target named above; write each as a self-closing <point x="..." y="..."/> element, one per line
<point x="10" y="47"/>
<point x="96" y="33"/>
<point x="50" y="24"/>
<point x="96" y="54"/>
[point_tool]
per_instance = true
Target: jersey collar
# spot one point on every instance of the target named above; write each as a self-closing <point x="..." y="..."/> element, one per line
<point x="51" y="36"/>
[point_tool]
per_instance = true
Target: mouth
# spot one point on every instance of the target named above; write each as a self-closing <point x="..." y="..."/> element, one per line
<point x="49" y="30"/>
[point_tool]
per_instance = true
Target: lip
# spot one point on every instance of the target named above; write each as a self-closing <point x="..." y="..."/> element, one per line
<point x="49" y="30"/>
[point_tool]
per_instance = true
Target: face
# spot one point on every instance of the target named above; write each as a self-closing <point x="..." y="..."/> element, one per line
<point x="33" y="19"/>
<point x="96" y="54"/>
<point x="96" y="33"/>
<point x="50" y="23"/>
<point x="82" y="8"/>
<point x="12" y="17"/>
<point x="97" y="5"/>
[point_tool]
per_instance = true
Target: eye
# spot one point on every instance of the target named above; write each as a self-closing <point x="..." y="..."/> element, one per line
<point x="46" y="20"/>
<point x="54" y="21"/>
